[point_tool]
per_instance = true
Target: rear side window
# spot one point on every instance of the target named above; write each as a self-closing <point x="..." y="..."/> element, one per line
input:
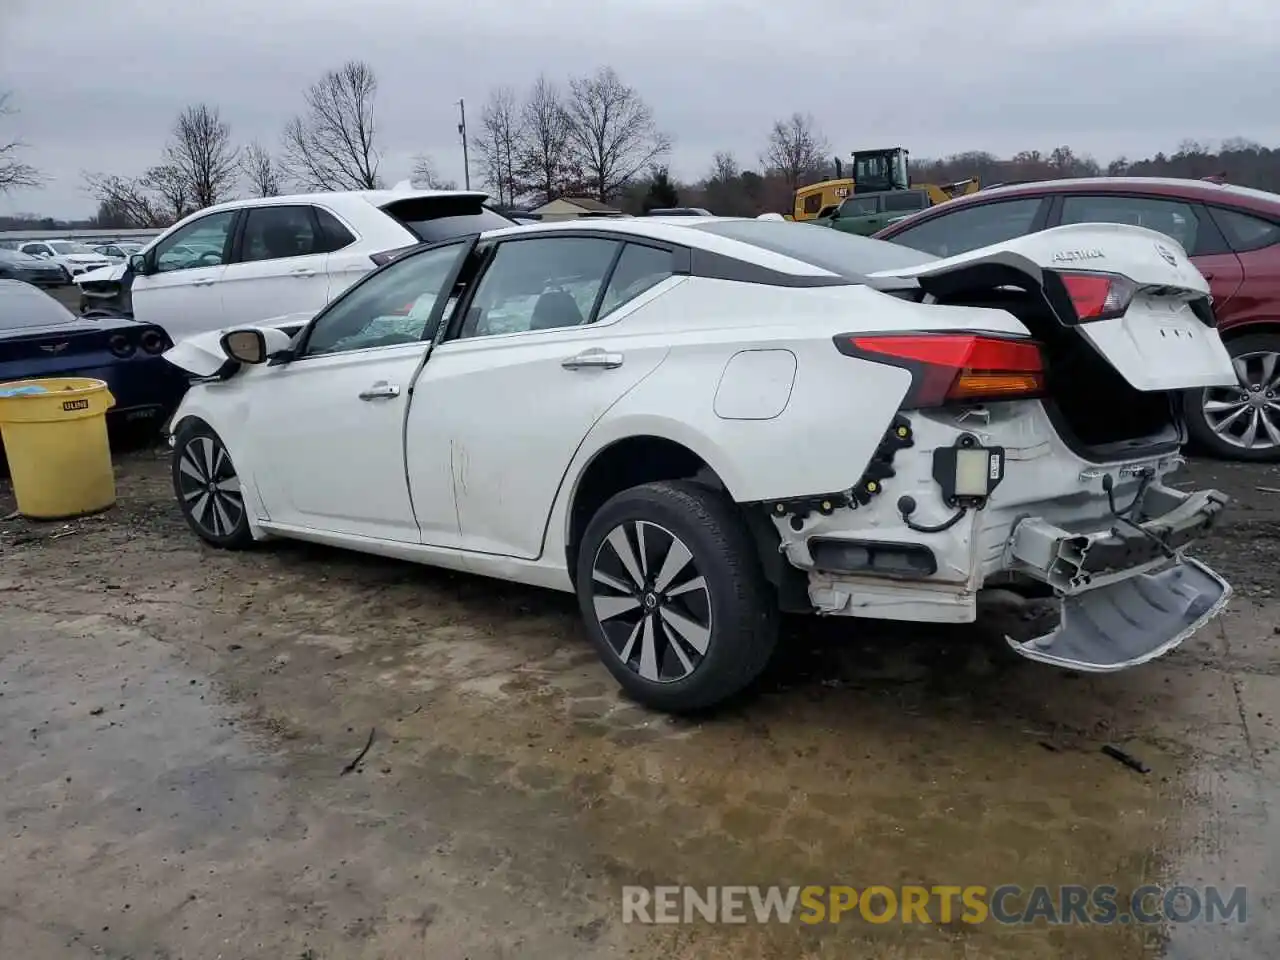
<point x="638" y="269"/>
<point x="1245" y="232"/>
<point x="442" y="218"/>
<point x="901" y="200"/>
<point x="968" y="228"/>
<point x="1171" y="217"/>
<point x="333" y="234"/>
<point x="273" y="233"/>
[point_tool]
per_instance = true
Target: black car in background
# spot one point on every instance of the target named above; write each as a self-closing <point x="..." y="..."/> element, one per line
<point x="16" y="265"/>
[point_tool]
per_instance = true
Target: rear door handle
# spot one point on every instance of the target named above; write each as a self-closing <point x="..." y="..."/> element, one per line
<point x="303" y="273"/>
<point x="593" y="360"/>
<point x="380" y="391"/>
<point x="203" y="283"/>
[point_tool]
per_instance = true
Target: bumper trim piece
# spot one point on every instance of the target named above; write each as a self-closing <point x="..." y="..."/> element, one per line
<point x="1131" y="621"/>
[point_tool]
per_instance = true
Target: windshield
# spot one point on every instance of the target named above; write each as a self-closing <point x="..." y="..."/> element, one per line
<point x="844" y="254"/>
<point x="23" y="306"/>
<point x="70" y="246"/>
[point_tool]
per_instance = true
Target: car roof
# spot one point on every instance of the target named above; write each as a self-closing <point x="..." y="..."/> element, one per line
<point x="376" y="198"/>
<point x="1201" y="191"/>
<point x="681" y="230"/>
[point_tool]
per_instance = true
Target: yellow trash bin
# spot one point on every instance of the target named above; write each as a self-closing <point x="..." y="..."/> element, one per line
<point x="55" y="439"/>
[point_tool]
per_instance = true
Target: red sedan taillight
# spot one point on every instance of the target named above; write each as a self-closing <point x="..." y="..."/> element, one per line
<point x="951" y="368"/>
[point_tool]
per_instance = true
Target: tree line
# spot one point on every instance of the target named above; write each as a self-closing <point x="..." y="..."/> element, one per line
<point x="589" y="136"/>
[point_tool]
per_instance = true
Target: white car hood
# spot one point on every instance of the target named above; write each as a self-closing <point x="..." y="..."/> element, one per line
<point x="202" y="354"/>
<point x="102" y="274"/>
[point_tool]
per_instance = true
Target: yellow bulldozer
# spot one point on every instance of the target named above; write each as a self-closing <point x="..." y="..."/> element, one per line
<point x="881" y="184"/>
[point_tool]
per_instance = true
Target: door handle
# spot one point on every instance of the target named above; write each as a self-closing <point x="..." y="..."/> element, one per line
<point x="303" y="273"/>
<point x="380" y="391"/>
<point x="593" y="360"/>
<point x="203" y="283"/>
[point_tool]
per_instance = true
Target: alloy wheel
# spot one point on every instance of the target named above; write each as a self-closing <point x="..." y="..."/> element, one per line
<point x="209" y="487"/>
<point x="651" y="600"/>
<point x="1248" y="415"/>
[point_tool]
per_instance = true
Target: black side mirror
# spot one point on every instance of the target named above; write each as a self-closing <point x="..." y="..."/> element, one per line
<point x="138" y="264"/>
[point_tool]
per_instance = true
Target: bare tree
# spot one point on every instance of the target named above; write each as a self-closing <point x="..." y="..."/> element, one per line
<point x="542" y="155"/>
<point x="172" y="191"/>
<point x="14" y="173"/>
<point x="127" y="200"/>
<point x="331" y="145"/>
<point x="724" y="168"/>
<point x="612" y="135"/>
<point x="425" y="175"/>
<point x="261" y="170"/>
<point x="497" y="146"/>
<point x="797" y="150"/>
<point x="200" y="154"/>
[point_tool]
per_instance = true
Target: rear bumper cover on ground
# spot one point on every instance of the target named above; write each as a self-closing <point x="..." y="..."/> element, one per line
<point x="1124" y="601"/>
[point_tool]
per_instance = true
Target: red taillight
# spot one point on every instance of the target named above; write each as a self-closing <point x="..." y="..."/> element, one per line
<point x="956" y="367"/>
<point x="1098" y="296"/>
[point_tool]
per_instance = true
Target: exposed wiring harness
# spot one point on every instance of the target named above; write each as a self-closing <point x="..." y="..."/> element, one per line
<point x="1108" y="484"/>
<point x="907" y="506"/>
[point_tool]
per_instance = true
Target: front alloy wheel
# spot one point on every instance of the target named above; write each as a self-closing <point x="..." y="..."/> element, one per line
<point x="1242" y="422"/>
<point x="674" y="597"/>
<point x="208" y="489"/>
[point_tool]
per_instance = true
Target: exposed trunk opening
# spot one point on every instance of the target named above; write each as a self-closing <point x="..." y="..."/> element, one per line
<point x="1092" y="406"/>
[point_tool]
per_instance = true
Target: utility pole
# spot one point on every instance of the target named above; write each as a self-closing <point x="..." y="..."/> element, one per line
<point x="462" y="132"/>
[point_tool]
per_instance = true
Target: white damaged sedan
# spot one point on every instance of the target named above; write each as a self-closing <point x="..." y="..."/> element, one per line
<point x="696" y="424"/>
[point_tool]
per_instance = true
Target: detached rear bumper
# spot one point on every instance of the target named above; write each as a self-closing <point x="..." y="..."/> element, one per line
<point x="1124" y="600"/>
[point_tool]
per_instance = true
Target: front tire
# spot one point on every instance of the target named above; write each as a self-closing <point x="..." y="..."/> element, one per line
<point x="1241" y="422"/>
<point x="675" y="601"/>
<point x="208" y="488"/>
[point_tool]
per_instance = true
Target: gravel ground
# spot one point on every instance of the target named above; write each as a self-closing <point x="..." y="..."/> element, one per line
<point x="175" y="724"/>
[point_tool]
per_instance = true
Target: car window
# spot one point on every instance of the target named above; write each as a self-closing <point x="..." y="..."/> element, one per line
<point x="70" y="246"/>
<point x="968" y="228"/>
<point x="274" y="233"/>
<point x="859" y="207"/>
<point x="391" y="307"/>
<point x="1245" y="232"/>
<point x="35" y="248"/>
<point x="201" y="243"/>
<point x="335" y="234"/>
<point x="22" y="305"/>
<point x="638" y="269"/>
<point x="539" y="284"/>
<point x="901" y="200"/>
<point x="1171" y="217"/>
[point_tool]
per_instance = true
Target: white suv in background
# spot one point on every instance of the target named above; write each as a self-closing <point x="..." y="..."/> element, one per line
<point x="251" y="260"/>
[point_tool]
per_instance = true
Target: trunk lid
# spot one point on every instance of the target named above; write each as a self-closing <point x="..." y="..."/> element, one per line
<point x="1162" y="340"/>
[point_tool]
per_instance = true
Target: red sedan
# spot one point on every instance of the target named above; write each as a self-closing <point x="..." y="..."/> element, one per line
<point x="1231" y="233"/>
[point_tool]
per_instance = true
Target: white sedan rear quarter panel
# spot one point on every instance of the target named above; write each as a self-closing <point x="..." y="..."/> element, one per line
<point x="835" y="412"/>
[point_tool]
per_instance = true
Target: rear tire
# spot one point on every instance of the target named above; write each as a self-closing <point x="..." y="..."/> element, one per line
<point x="673" y="596"/>
<point x="208" y="488"/>
<point x="1241" y="415"/>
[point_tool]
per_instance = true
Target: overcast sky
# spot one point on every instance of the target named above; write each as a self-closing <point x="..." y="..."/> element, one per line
<point x="98" y="82"/>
